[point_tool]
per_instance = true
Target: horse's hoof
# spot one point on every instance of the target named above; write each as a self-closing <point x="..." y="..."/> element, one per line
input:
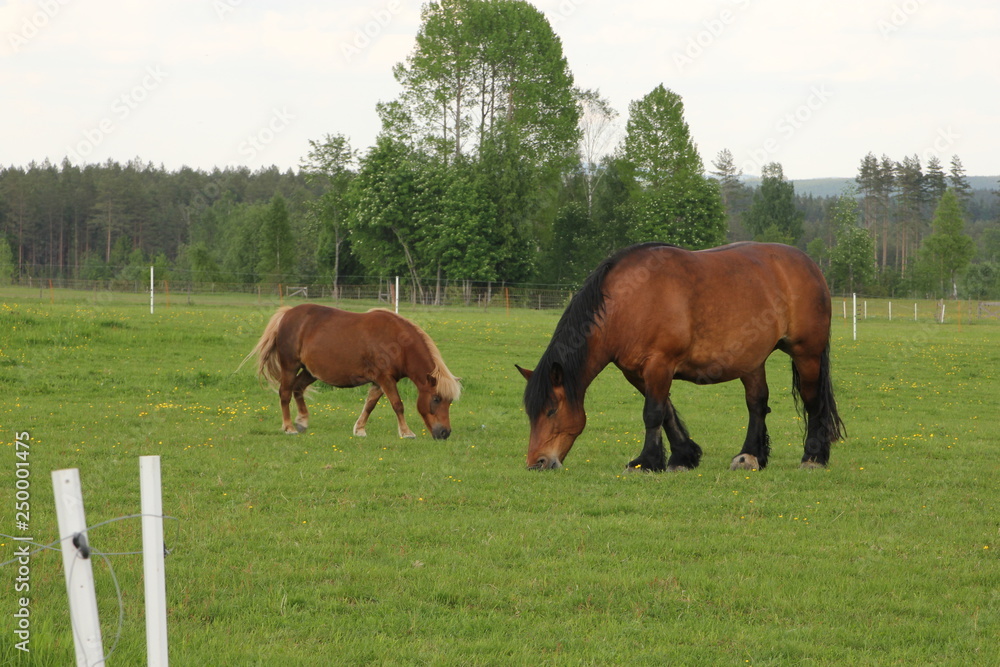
<point x="636" y="468"/>
<point x="677" y="468"/>
<point x="408" y="435"/>
<point x="811" y="465"/>
<point x="744" y="462"/>
<point x="292" y="432"/>
<point x="300" y="428"/>
<point x="360" y="432"/>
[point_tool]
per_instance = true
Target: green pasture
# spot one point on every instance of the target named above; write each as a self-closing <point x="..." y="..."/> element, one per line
<point x="324" y="549"/>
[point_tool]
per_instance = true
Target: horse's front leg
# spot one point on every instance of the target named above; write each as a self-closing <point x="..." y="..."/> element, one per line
<point x="653" y="456"/>
<point x="757" y="445"/>
<point x="374" y="393"/>
<point x="389" y="388"/>
<point x="658" y="412"/>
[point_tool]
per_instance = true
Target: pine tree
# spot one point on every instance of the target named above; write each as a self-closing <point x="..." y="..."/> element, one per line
<point x="948" y="250"/>
<point x="735" y="195"/>
<point x="772" y="215"/>
<point x="959" y="183"/>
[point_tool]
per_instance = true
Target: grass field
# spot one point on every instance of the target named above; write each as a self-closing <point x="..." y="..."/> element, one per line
<point x="323" y="548"/>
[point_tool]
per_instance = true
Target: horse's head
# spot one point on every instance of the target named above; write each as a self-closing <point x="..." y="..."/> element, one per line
<point x="434" y="406"/>
<point x="555" y="427"/>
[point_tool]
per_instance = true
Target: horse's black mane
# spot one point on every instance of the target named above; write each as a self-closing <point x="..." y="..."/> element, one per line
<point x="568" y="345"/>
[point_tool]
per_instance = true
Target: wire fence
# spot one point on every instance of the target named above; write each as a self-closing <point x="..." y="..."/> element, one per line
<point x="483" y="295"/>
<point x="463" y="293"/>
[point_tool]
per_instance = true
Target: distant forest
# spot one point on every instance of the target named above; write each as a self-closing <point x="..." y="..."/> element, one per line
<point x="112" y="221"/>
<point x="492" y="167"/>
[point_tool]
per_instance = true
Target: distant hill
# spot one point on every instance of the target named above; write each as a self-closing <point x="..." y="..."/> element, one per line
<point x="831" y="187"/>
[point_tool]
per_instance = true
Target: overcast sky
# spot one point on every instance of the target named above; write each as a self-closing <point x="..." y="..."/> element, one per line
<point x="812" y="85"/>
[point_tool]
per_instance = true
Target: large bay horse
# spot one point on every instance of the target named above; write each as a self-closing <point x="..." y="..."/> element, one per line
<point x="310" y="342"/>
<point x="660" y="313"/>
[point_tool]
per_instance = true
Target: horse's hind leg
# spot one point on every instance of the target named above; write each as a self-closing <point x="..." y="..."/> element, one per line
<point x="302" y="381"/>
<point x="811" y="379"/>
<point x="285" y="391"/>
<point x="374" y="393"/>
<point x="757" y="445"/>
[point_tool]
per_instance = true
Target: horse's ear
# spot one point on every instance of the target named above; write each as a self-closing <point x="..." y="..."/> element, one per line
<point x="556" y="374"/>
<point x="431" y="380"/>
<point x="524" y="372"/>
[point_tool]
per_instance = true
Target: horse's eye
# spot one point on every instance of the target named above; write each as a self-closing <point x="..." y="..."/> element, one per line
<point x="435" y="401"/>
<point x="550" y="413"/>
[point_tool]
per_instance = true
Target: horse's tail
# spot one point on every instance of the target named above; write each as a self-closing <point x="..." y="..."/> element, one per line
<point x="268" y="366"/>
<point x="824" y="420"/>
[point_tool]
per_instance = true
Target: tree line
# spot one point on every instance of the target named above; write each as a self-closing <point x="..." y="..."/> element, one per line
<point x="490" y="166"/>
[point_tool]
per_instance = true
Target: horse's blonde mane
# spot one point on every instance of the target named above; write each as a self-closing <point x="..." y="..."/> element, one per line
<point x="449" y="387"/>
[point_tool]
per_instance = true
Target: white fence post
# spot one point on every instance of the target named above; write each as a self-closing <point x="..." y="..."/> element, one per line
<point x="854" y="311"/>
<point x="78" y="568"/>
<point x="150" y="290"/>
<point x="397" y="295"/>
<point x="152" y="561"/>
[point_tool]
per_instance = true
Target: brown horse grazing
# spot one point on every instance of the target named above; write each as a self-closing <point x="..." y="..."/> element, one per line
<point x="661" y="313"/>
<point x="309" y="342"/>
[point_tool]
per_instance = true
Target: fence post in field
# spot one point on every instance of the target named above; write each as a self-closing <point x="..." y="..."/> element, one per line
<point x="150" y="290"/>
<point x="77" y="567"/>
<point x="152" y="561"/>
<point x="396" y="297"/>
<point x="854" y="309"/>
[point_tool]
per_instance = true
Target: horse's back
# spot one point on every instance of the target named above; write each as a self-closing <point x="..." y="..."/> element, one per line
<point x="741" y="300"/>
<point x="340" y="347"/>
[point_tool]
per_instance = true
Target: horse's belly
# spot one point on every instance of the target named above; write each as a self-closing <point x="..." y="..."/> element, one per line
<point x="722" y="363"/>
<point x="336" y="374"/>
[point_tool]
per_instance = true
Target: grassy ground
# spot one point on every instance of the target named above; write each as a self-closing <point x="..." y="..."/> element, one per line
<point x="324" y="548"/>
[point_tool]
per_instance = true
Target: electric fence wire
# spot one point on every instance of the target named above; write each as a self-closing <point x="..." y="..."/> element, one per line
<point x="84" y="549"/>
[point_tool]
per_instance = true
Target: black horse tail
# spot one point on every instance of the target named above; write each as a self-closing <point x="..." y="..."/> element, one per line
<point x="823" y="422"/>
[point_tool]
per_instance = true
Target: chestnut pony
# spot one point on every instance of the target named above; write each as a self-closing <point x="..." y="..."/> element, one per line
<point x="660" y="313"/>
<point x="310" y="342"/>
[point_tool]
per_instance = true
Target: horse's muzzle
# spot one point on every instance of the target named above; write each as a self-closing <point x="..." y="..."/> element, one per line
<point x="546" y="463"/>
<point x="440" y="432"/>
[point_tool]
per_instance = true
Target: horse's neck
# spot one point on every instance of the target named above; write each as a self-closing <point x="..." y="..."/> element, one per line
<point x="596" y="361"/>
